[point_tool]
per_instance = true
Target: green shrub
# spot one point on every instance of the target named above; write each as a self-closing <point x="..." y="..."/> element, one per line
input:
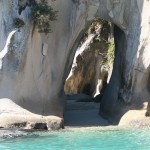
<point x="18" y="23"/>
<point x="110" y="55"/>
<point x="96" y="22"/>
<point x="110" y="52"/>
<point x="42" y="14"/>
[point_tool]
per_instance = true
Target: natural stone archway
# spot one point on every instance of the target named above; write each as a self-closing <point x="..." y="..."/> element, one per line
<point x="93" y="61"/>
<point x="34" y="71"/>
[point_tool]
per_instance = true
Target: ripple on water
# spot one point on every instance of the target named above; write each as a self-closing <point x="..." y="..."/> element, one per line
<point x="83" y="139"/>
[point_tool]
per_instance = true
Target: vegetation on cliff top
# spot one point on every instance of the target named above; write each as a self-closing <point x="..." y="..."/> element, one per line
<point x="41" y="14"/>
<point x="18" y="23"/>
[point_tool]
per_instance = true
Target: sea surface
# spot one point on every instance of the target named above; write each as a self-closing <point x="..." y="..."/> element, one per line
<point x="82" y="139"/>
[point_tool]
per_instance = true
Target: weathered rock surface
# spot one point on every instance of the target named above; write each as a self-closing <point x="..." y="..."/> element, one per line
<point x="14" y="116"/>
<point x="136" y="118"/>
<point x="88" y="72"/>
<point x="34" y="77"/>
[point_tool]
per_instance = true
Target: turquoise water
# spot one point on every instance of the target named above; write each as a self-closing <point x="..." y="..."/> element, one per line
<point x="95" y="139"/>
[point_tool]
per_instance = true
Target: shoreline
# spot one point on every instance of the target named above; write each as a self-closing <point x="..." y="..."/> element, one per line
<point x="12" y="133"/>
<point x="80" y="116"/>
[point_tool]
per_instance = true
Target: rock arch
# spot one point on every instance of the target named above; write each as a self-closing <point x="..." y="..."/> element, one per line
<point x="35" y="81"/>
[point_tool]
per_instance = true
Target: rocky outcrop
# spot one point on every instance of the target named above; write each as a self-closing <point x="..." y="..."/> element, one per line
<point x="35" y="68"/>
<point x="88" y="72"/>
<point x="14" y="116"/>
<point x="135" y="118"/>
<point x="129" y="82"/>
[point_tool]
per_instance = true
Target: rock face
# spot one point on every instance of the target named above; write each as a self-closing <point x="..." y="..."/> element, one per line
<point x="35" y="68"/>
<point x="14" y="116"/>
<point x="88" y="72"/>
<point x="135" y="118"/>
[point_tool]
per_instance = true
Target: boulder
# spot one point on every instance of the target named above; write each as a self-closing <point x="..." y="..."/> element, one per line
<point x="14" y="116"/>
<point x="135" y="118"/>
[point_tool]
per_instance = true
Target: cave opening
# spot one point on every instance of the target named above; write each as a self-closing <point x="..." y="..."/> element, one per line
<point x="89" y="75"/>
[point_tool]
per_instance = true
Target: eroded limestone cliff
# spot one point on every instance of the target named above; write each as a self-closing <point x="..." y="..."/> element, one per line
<point x="36" y="66"/>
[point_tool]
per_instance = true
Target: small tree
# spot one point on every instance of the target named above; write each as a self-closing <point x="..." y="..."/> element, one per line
<point x="42" y="14"/>
<point x="18" y="23"/>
